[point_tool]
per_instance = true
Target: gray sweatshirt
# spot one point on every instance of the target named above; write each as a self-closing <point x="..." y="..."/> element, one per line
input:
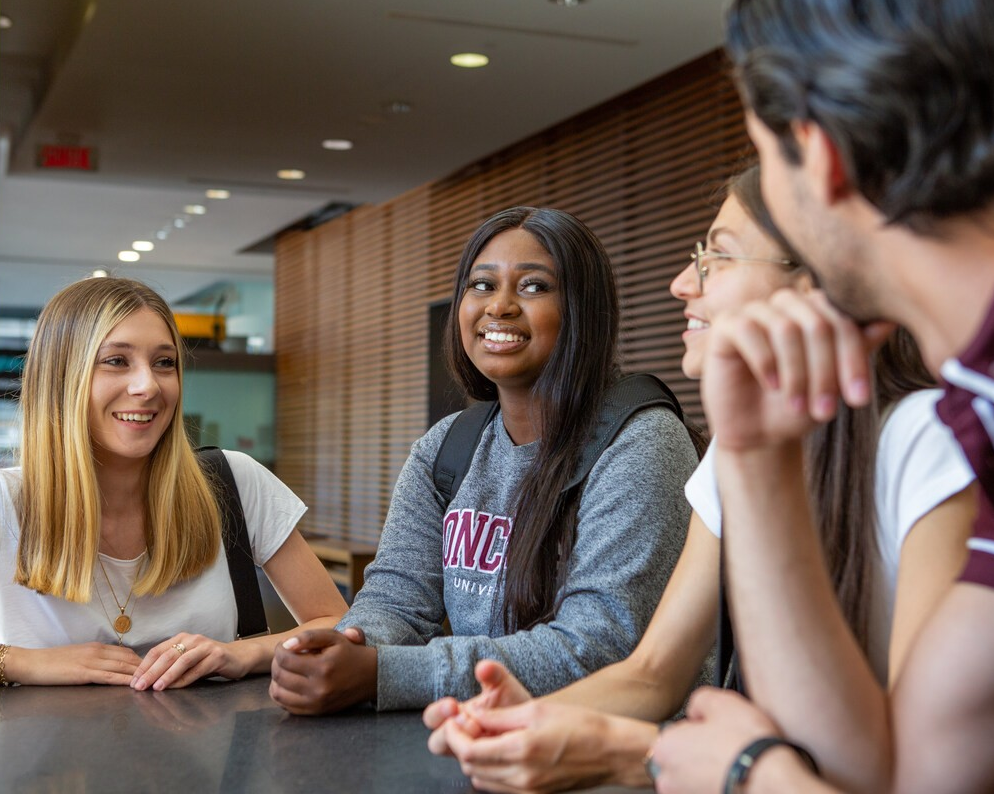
<point x="434" y="562"/>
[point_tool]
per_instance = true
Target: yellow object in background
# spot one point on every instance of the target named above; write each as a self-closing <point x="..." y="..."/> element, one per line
<point x="201" y="326"/>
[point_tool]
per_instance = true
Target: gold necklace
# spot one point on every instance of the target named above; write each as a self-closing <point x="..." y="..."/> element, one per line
<point x="103" y="606"/>
<point x="122" y="623"/>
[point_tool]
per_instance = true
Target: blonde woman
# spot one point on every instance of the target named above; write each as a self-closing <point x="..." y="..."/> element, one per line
<point x="111" y="563"/>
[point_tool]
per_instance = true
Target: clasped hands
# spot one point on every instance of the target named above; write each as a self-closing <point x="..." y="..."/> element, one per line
<point x="506" y="741"/>
<point x="320" y="671"/>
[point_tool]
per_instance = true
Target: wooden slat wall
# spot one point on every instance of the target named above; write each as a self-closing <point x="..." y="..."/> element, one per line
<point x="352" y="295"/>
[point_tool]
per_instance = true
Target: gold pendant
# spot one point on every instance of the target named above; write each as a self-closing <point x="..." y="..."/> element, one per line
<point x="122" y="625"/>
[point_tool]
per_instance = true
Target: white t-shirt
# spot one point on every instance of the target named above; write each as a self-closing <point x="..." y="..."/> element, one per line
<point x="919" y="465"/>
<point x="203" y="605"/>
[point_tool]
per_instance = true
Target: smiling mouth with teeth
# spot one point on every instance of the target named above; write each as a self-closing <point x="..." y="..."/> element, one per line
<point x="138" y="418"/>
<point x="693" y="324"/>
<point x="503" y="336"/>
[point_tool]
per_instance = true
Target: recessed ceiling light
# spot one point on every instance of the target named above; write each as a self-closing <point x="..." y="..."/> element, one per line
<point x="5" y="22"/>
<point x="337" y="144"/>
<point x="290" y="173"/>
<point x="216" y="193"/>
<point x="142" y="245"/>
<point x="162" y="234"/>
<point x="129" y="256"/>
<point x="195" y="209"/>
<point x="98" y="274"/>
<point x="469" y="60"/>
<point x="398" y="106"/>
<point x="179" y="223"/>
<point x="567" y="3"/>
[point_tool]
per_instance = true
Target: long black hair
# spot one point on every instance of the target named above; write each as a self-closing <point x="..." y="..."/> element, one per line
<point x="567" y="396"/>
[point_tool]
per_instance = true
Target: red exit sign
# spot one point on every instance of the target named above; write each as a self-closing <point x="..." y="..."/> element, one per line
<point x="79" y="158"/>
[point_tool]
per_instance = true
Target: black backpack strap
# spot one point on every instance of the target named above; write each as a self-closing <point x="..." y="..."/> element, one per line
<point x="728" y="675"/>
<point x="458" y="447"/>
<point x="237" y="546"/>
<point x="726" y="643"/>
<point x="626" y="396"/>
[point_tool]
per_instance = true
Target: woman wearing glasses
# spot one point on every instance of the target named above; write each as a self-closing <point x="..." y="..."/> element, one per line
<point x="893" y="536"/>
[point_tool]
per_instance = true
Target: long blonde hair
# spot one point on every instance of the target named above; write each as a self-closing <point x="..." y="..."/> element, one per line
<point x="59" y="505"/>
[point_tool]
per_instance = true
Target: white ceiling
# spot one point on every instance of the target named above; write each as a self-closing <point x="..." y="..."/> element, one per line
<point x="184" y="95"/>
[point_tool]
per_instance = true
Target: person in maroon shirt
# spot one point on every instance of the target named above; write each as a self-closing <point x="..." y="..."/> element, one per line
<point x="968" y="408"/>
<point x="874" y="123"/>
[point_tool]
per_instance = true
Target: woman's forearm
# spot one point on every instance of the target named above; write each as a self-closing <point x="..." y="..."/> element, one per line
<point x="798" y="653"/>
<point x="88" y="663"/>
<point x="654" y="680"/>
<point x="16" y="666"/>
<point x="623" y="689"/>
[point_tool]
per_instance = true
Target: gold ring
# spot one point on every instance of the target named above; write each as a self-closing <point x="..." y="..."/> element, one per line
<point x="180" y="648"/>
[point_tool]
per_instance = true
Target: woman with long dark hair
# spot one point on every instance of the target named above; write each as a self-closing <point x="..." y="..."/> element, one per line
<point x="892" y="536"/>
<point x="554" y="582"/>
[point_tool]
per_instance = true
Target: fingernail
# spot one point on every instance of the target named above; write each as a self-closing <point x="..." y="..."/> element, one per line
<point x="858" y="392"/>
<point x="291" y="643"/>
<point x="824" y="406"/>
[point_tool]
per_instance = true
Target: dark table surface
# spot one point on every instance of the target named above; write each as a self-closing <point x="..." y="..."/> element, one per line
<point x="212" y="737"/>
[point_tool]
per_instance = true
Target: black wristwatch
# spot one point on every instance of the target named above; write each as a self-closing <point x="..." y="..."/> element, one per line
<point x="739" y="771"/>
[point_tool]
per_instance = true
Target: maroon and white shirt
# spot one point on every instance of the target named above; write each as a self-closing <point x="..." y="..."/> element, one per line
<point x="968" y="408"/>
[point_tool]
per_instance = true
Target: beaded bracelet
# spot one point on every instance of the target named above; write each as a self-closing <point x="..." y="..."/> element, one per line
<point x="3" y="659"/>
<point x="744" y="761"/>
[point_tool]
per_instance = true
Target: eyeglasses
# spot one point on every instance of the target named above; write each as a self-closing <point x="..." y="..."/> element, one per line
<point x="700" y="253"/>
